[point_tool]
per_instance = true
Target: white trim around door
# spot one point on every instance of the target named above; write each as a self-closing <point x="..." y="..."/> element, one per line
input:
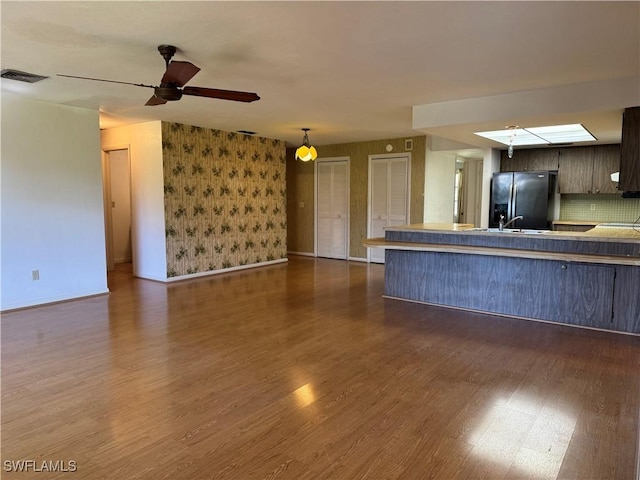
<point x="391" y="191"/>
<point x="331" y="212"/>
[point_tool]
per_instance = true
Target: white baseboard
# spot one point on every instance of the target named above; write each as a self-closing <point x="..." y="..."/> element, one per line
<point x="223" y="270"/>
<point x="358" y="259"/>
<point x="50" y="300"/>
<point x="302" y="254"/>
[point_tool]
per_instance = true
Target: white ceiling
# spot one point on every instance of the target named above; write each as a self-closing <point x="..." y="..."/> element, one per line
<point x="350" y="71"/>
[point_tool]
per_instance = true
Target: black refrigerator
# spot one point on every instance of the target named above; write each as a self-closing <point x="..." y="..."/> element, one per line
<point x="530" y="194"/>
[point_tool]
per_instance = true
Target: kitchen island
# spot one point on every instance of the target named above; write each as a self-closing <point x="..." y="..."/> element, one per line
<point x="588" y="279"/>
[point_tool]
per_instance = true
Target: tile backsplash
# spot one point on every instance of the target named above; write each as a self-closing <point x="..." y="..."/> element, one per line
<point x="599" y="208"/>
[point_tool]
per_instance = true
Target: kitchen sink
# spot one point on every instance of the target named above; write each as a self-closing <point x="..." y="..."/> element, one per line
<point x="508" y="230"/>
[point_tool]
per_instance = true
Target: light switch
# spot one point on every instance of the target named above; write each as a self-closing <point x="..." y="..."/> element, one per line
<point x="301" y="204"/>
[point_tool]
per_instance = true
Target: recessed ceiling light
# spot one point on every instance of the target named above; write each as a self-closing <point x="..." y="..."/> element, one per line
<point x="517" y="136"/>
<point x="551" y="134"/>
<point x="563" y="133"/>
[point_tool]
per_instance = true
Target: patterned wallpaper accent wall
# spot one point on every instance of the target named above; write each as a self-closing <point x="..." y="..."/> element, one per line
<point x="225" y="199"/>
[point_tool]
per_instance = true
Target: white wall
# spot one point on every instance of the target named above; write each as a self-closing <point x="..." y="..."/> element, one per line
<point x="490" y="165"/>
<point x="440" y="171"/>
<point x="472" y="186"/>
<point x="144" y="142"/>
<point x="52" y="208"/>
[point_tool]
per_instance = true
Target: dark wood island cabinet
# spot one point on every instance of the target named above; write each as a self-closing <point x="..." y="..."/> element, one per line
<point x="582" y="279"/>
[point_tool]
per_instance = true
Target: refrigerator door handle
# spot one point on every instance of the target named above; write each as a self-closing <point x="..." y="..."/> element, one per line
<point x="515" y="200"/>
<point x="510" y="205"/>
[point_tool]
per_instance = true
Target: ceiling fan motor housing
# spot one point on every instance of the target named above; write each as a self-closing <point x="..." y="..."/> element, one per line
<point x="168" y="93"/>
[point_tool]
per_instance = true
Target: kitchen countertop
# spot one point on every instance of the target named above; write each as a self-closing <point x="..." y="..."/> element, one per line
<point x="603" y="231"/>
<point x="501" y="252"/>
<point x="575" y="222"/>
<point x="440" y="227"/>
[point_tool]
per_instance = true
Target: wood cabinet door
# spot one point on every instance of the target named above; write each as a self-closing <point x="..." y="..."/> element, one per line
<point x="542" y="159"/>
<point x="529" y="160"/>
<point x="515" y="164"/>
<point x="630" y="156"/>
<point x="606" y="160"/>
<point x="585" y="294"/>
<point x="575" y="170"/>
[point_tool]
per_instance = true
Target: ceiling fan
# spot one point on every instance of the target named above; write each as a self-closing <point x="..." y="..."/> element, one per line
<point x="172" y="87"/>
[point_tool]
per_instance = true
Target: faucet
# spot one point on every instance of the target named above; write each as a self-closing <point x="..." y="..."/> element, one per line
<point x="502" y="223"/>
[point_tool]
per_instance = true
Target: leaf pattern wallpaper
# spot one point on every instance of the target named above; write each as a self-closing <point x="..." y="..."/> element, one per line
<point x="225" y="199"/>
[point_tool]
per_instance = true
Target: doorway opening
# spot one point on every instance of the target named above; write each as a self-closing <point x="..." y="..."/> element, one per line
<point x="116" y="169"/>
<point x="467" y="198"/>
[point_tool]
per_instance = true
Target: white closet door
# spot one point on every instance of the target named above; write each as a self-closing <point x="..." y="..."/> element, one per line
<point x="379" y="204"/>
<point x="389" y="194"/>
<point x="324" y="213"/>
<point x="340" y="209"/>
<point x="332" y="209"/>
<point x="398" y="186"/>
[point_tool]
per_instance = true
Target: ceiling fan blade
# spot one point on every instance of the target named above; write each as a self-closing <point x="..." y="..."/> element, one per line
<point x="155" y="101"/>
<point x="108" y="81"/>
<point x="222" y="94"/>
<point x="179" y="73"/>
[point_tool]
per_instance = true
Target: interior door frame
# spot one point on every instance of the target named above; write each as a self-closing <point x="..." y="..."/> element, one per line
<point x="346" y="159"/>
<point x="106" y="194"/>
<point x="387" y="156"/>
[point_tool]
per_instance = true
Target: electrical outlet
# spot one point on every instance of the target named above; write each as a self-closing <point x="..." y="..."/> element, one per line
<point x="35" y="274"/>
<point x="593" y="206"/>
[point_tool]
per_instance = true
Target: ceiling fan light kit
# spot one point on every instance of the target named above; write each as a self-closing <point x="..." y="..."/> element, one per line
<point x="176" y="75"/>
<point x="306" y="151"/>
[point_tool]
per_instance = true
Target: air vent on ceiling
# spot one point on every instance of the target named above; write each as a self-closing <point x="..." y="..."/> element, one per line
<point x="246" y="132"/>
<point x="21" y="76"/>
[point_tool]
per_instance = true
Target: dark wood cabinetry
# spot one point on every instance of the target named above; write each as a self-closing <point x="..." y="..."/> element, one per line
<point x="559" y="227"/>
<point x="585" y="169"/>
<point x="630" y="152"/>
<point x="532" y="160"/>
<point x="575" y="170"/>
<point x="584" y="294"/>
<point x="606" y="160"/>
<point x="583" y="281"/>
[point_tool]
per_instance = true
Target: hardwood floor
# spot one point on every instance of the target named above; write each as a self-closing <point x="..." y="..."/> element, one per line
<point x="303" y="371"/>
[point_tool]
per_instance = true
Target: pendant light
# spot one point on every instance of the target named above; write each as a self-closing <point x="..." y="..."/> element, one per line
<point x="512" y="136"/>
<point x="306" y="152"/>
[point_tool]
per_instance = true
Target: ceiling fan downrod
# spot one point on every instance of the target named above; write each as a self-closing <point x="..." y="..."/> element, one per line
<point x="167" y="52"/>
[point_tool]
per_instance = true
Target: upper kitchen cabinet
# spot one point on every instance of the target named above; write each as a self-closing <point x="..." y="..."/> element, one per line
<point x="584" y="169"/>
<point x="630" y="151"/>
<point x="606" y="160"/>
<point x="529" y="160"/>
<point x="575" y="170"/>
<point x="588" y="169"/>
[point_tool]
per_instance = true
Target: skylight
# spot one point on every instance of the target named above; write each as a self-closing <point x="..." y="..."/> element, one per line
<point x="540" y="135"/>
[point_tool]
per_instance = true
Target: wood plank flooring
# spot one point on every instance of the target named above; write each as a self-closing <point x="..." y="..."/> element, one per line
<point x="303" y="371"/>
